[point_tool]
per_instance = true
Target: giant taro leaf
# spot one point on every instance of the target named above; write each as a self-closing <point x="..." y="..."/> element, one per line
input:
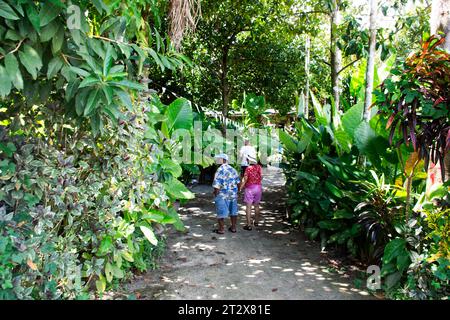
<point x="179" y="115"/>
<point x="177" y="190"/>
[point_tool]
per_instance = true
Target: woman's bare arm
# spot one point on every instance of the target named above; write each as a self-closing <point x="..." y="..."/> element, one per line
<point x="244" y="180"/>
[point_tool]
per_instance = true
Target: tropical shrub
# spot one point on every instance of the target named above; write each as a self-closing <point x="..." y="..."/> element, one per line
<point x="423" y="247"/>
<point x="380" y="210"/>
<point x="87" y="180"/>
<point x="85" y="215"/>
<point x="416" y="101"/>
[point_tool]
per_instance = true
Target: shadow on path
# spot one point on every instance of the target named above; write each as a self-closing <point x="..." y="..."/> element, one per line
<point x="273" y="261"/>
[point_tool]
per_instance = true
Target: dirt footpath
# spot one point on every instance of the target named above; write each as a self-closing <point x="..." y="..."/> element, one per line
<point x="273" y="261"/>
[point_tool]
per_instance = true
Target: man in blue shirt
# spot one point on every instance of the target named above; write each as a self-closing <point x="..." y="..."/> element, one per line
<point x="226" y="187"/>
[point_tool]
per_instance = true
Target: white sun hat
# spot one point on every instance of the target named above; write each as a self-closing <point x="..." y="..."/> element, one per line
<point x="221" y="156"/>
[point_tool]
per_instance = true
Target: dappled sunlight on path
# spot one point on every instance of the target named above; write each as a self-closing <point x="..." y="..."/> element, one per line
<point x="273" y="261"/>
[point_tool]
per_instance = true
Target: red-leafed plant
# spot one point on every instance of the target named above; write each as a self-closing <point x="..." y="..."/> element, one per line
<point x="416" y="98"/>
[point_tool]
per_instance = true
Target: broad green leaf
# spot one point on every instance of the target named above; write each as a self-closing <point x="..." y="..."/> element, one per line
<point x="352" y="118"/>
<point x="7" y="12"/>
<point x="108" y="93"/>
<point x="31" y="60"/>
<point x="166" y="62"/>
<point x="91" y="103"/>
<point x="394" y="249"/>
<point x="13" y="35"/>
<point x="364" y="134"/>
<point x="89" y="81"/>
<point x="288" y="142"/>
<point x="171" y="166"/>
<point x="5" y="82"/>
<point x="117" y="69"/>
<point x="54" y="66"/>
<point x="107" y="63"/>
<point x="48" y="13"/>
<point x="343" y="140"/>
<point x="157" y="59"/>
<point x="79" y="71"/>
<point x="403" y="261"/>
<point x="322" y="113"/>
<point x="334" y="189"/>
<point x="127" y="84"/>
<point x="80" y="102"/>
<point x="105" y="245"/>
<point x="72" y="88"/>
<point x="101" y="284"/>
<point x="178" y="224"/>
<point x="179" y="115"/>
<point x="109" y="272"/>
<point x="12" y="68"/>
<point x="100" y="6"/>
<point x="58" y="40"/>
<point x="33" y="16"/>
<point x="177" y="190"/>
<point x="127" y="256"/>
<point x="307" y="176"/>
<point x="154" y="215"/>
<point x="148" y="233"/>
<point x="49" y="31"/>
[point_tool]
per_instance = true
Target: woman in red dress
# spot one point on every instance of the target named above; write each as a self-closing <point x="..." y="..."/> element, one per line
<point x="253" y="191"/>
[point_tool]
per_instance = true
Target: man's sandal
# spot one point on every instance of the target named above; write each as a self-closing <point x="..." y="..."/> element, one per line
<point x="248" y="228"/>
<point x="231" y="230"/>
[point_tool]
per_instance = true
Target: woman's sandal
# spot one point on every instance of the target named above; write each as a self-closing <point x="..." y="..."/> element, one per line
<point x="217" y="231"/>
<point x="231" y="230"/>
<point x="248" y="228"/>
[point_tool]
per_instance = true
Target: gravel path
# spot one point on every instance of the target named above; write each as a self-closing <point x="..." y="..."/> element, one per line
<point x="273" y="261"/>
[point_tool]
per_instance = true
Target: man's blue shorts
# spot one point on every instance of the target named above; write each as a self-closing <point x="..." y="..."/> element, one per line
<point x="226" y="207"/>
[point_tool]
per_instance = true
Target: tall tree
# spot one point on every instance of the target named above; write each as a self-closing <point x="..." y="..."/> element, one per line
<point x="336" y="55"/>
<point x="307" y="62"/>
<point x="370" y="59"/>
<point x="440" y="20"/>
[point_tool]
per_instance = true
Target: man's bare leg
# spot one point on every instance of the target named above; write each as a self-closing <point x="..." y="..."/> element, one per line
<point x="233" y="222"/>
<point x="221" y="225"/>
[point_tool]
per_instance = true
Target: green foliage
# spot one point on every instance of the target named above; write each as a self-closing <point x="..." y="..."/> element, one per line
<point x="84" y="214"/>
<point x="87" y="180"/>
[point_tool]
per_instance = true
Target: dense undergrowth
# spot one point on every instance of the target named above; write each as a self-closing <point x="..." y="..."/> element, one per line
<point x="356" y="186"/>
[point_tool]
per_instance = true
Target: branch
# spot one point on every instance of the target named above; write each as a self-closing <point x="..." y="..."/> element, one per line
<point x="321" y="60"/>
<point x="15" y="49"/>
<point x="351" y="63"/>
<point x="312" y="12"/>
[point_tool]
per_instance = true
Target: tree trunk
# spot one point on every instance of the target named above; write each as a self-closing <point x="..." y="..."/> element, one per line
<point x="307" y="61"/>
<point x="225" y="86"/>
<point x="440" y="20"/>
<point x="370" y="60"/>
<point x="335" y="57"/>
